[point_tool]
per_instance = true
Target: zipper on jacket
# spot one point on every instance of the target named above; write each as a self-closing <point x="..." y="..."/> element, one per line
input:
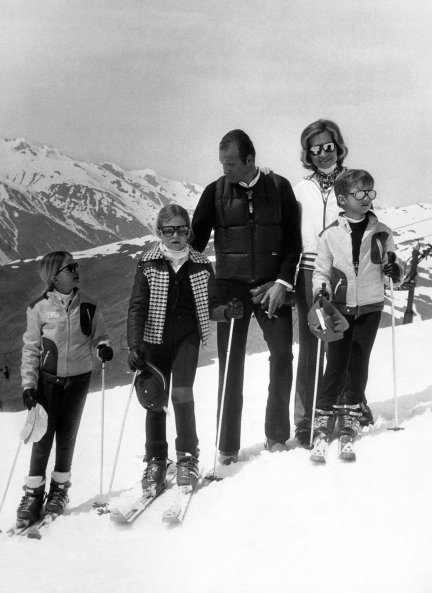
<point x="45" y="358"/>
<point x="249" y="194"/>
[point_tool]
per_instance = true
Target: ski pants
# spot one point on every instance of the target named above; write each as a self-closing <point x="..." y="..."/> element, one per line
<point x="347" y="368"/>
<point x="63" y="400"/>
<point x="277" y="333"/>
<point x="307" y="358"/>
<point x="177" y="358"/>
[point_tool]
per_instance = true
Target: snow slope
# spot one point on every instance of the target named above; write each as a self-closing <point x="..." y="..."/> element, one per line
<point x="276" y="523"/>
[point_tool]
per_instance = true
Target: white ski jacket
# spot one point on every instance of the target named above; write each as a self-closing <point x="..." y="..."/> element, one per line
<point x="318" y="209"/>
<point x="58" y="339"/>
<point x="351" y="294"/>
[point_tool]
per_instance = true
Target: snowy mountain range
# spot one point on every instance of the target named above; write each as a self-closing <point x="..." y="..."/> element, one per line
<point x="50" y="201"/>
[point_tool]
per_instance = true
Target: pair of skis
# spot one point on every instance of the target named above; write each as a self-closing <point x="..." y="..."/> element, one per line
<point x="34" y="529"/>
<point x="345" y="449"/>
<point x="173" y="515"/>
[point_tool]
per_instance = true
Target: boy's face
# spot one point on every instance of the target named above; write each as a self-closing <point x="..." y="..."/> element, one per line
<point x="353" y="207"/>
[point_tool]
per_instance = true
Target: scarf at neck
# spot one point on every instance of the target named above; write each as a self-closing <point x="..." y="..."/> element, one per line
<point x="326" y="179"/>
<point x="176" y="258"/>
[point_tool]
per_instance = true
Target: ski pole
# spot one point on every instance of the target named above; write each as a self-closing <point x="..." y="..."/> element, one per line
<point x="102" y="430"/>
<point x="120" y="437"/>
<point x="10" y="474"/>
<point x="222" y="403"/>
<point x="396" y="427"/>
<point x="315" y="393"/>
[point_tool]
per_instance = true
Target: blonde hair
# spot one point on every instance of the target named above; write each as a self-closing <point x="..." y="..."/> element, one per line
<point x="50" y="265"/>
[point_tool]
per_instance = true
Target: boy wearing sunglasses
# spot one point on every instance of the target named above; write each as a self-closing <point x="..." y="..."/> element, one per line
<point x="64" y="326"/>
<point x="354" y="254"/>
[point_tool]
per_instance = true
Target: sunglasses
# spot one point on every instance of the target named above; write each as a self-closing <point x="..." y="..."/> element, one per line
<point x="72" y="268"/>
<point x="168" y="231"/>
<point x="360" y="194"/>
<point x="315" y="150"/>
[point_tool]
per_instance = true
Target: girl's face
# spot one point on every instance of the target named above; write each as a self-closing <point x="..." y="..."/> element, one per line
<point x="67" y="278"/>
<point x="174" y="233"/>
<point x="324" y="158"/>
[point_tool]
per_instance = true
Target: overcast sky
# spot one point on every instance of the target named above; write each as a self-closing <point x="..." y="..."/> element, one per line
<point x="157" y="83"/>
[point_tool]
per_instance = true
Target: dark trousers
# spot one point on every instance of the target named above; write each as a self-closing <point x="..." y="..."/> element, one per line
<point x="307" y="358"/>
<point x="63" y="400"/>
<point x="277" y="333"/>
<point x="177" y="358"/>
<point x="347" y="368"/>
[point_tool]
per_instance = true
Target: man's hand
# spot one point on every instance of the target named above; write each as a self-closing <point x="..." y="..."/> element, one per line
<point x="259" y="292"/>
<point x="274" y="298"/>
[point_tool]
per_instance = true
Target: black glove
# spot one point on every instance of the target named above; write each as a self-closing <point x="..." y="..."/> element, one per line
<point x="136" y="358"/>
<point x="391" y="269"/>
<point x="321" y="294"/>
<point x="233" y="309"/>
<point x="104" y="352"/>
<point x="30" y="398"/>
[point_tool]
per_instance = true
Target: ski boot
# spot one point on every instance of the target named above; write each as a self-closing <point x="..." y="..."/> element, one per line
<point x="274" y="446"/>
<point x="322" y="433"/>
<point x="57" y="498"/>
<point x="153" y="479"/>
<point x="348" y="429"/>
<point x="187" y="469"/>
<point x="366" y="418"/>
<point x="228" y="457"/>
<point x="30" y="507"/>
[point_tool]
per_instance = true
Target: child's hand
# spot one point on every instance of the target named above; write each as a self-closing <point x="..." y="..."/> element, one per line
<point x="30" y="398"/>
<point x="391" y="269"/>
<point x="136" y="358"/>
<point x="234" y="309"/>
<point x="104" y="352"/>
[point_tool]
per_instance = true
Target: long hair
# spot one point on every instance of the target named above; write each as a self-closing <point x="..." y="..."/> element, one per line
<point x="49" y="266"/>
<point x="318" y="127"/>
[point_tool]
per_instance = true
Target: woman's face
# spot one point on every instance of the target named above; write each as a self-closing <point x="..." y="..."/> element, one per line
<point x="67" y="278"/>
<point x="174" y="233"/>
<point x="323" y="160"/>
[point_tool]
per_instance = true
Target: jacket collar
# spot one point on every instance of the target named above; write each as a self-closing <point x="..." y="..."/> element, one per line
<point x="156" y="253"/>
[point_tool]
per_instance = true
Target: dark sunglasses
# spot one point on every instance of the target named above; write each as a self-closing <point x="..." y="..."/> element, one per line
<point x="72" y="268"/>
<point x="360" y="194"/>
<point x="315" y="150"/>
<point x="182" y="230"/>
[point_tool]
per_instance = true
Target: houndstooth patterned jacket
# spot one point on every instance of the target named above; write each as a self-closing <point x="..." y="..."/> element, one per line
<point x="200" y="273"/>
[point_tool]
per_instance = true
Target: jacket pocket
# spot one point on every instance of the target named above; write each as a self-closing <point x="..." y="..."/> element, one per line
<point x="87" y="311"/>
<point x="339" y="284"/>
<point x="49" y="356"/>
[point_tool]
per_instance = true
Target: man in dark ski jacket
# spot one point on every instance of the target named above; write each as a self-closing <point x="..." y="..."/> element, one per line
<point x="257" y="244"/>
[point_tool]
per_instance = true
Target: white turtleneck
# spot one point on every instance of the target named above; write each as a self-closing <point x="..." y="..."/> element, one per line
<point x="176" y="257"/>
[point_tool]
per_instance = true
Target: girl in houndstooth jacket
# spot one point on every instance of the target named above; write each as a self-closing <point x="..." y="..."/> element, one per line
<point x="173" y="297"/>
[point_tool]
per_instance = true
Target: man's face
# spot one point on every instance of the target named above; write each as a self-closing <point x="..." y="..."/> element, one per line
<point x="233" y="167"/>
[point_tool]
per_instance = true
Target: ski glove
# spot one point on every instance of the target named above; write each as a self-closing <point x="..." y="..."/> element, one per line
<point x="104" y="352"/>
<point x="233" y="309"/>
<point x="136" y="358"/>
<point x="30" y="398"/>
<point x="391" y="269"/>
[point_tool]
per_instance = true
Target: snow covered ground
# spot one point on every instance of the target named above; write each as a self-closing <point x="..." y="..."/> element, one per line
<point x="277" y="523"/>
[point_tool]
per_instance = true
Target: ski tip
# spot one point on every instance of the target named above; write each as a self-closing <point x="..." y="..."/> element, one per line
<point x="117" y="516"/>
<point x="34" y="534"/>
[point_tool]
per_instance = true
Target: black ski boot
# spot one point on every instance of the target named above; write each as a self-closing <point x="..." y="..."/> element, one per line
<point x="154" y="474"/>
<point x="348" y="428"/>
<point x="366" y="417"/>
<point x="187" y="469"/>
<point x="30" y="507"/>
<point x="57" y="498"/>
<point x="322" y="433"/>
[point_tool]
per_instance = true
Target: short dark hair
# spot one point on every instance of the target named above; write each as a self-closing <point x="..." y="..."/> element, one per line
<point x="318" y="127"/>
<point x="244" y="143"/>
<point x="348" y="178"/>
